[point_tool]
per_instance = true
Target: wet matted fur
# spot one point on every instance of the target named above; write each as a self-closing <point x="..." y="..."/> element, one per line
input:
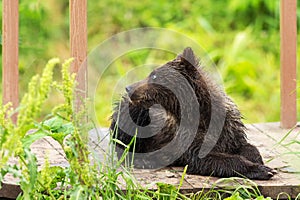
<point x="171" y="128"/>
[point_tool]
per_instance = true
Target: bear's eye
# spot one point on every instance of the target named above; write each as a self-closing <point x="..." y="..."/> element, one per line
<point x="153" y="76"/>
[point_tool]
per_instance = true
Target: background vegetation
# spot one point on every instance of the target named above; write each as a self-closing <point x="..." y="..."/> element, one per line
<point x="241" y="37"/>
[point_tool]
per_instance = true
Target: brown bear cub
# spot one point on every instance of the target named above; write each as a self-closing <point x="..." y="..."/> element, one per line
<point x="179" y="117"/>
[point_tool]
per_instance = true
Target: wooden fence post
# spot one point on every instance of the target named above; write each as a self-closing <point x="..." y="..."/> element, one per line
<point x="10" y="52"/>
<point x="78" y="44"/>
<point x="288" y="57"/>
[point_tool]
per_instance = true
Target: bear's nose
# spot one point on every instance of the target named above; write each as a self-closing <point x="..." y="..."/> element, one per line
<point x="128" y="89"/>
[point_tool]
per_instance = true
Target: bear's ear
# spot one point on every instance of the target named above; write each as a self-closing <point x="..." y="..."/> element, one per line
<point x="188" y="57"/>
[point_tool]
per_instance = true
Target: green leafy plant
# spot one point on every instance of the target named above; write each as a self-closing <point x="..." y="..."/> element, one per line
<point x="12" y="134"/>
<point x="15" y="140"/>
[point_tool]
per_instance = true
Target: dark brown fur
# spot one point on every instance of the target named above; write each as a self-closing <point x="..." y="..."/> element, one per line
<point x="157" y="126"/>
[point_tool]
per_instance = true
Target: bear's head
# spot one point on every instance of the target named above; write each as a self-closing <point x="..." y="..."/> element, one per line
<point x="165" y="84"/>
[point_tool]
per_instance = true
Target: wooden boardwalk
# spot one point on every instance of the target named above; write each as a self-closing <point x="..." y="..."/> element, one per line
<point x="265" y="136"/>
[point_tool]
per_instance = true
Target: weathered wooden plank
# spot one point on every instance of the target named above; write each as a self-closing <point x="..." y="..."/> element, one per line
<point x="10" y="191"/>
<point x="281" y="142"/>
<point x="10" y="52"/>
<point x="277" y="134"/>
<point x="269" y="134"/>
<point x="78" y="45"/>
<point x="149" y="178"/>
<point x="288" y="57"/>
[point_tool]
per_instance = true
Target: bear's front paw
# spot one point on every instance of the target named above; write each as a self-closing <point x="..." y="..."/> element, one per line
<point x="260" y="172"/>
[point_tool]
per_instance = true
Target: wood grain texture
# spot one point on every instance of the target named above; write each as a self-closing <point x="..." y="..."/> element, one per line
<point x="78" y="44"/>
<point x="10" y="52"/>
<point x="288" y="33"/>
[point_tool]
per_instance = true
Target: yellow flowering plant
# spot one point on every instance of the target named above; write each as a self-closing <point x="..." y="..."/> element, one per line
<point x="15" y="140"/>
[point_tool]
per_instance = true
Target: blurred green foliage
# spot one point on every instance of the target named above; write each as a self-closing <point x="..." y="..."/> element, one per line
<point x="241" y="37"/>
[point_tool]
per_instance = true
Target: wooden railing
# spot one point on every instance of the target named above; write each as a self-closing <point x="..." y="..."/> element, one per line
<point x="288" y="62"/>
<point x="10" y="52"/>
<point x="78" y="43"/>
